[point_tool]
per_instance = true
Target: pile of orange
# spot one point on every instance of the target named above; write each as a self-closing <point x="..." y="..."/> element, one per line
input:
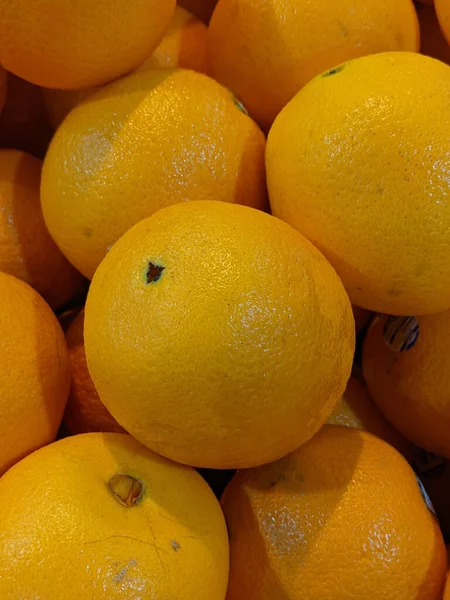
<point x="224" y="300"/>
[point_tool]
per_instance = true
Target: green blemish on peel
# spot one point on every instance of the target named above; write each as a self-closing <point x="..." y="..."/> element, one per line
<point x="334" y="71"/>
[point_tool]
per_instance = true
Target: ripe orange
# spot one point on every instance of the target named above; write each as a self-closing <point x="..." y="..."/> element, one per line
<point x="357" y="409"/>
<point x="70" y="45"/>
<point x="202" y="9"/>
<point x="184" y="45"/>
<point x="405" y="364"/>
<point x="340" y="518"/>
<point x="142" y="143"/>
<point x="124" y="522"/>
<point x="443" y="14"/>
<point x="85" y="412"/>
<point x="26" y="249"/>
<point x="432" y="40"/>
<point x="23" y="120"/>
<point x="217" y="335"/>
<point x="357" y="162"/>
<point x="267" y="51"/>
<point x="34" y="372"/>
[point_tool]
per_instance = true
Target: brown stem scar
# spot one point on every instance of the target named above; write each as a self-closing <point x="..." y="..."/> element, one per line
<point x="154" y="272"/>
<point x="127" y="490"/>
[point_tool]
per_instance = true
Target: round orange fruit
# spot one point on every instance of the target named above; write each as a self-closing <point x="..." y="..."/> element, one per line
<point x="122" y="521"/>
<point x="217" y="335"/>
<point x="267" y="51"/>
<point x="147" y="141"/>
<point x="443" y="14"/>
<point x="34" y="372"/>
<point x="26" y="249"/>
<point x="432" y="40"/>
<point x="85" y="412"/>
<point x="357" y="409"/>
<point x="342" y="518"/>
<point x="358" y="162"/>
<point x="405" y="365"/>
<point x="68" y="45"/>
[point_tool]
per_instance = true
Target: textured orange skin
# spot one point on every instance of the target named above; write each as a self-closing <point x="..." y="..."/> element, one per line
<point x="357" y="409"/>
<point x="342" y="518"/>
<point x="26" y="249"/>
<point x="73" y="45"/>
<point x="34" y="372"/>
<point x="237" y="354"/>
<point x="359" y="162"/>
<point x="184" y="45"/>
<point x="443" y="14"/>
<point x="85" y="412"/>
<point x="23" y="120"/>
<point x="59" y="516"/>
<point x="432" y="40"/>
<point x="412" y="387"/>
<point x="142" y="143"/>
<point x="265" y="51"/>
<point x="202" y="9"/>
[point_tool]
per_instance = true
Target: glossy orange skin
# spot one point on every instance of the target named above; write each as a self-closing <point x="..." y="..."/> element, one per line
<point x="245" y="314"/>
<point x="34" y="372"/>
<point x="144" y="142"/>
<point x="340" y="518"/>
<point x="26" y="249"/>
<point x="59" y="516"/>
<point x="85" y="412"/>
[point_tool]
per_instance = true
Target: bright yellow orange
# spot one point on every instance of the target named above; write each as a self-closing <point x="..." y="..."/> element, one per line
<point x="443" y="14"/>
<point x="357" y="409"/>
<point x="265" y="52"/>
<point x="184" y="45"/>
<point x="432" y="40"/>
<point x="405" y="364"/>
<point x="217" y="335"/>
<point x="202" y="9"/>
<point x="358" y="163"/>
<point x="341" y="518"/>
<point x="85" y="412"/>
<point x="126" y="522"/>
<point x="26" y="249"/>
<point x="142" y="143"/>
<point x="67" y="45"/>
<point x="34" y="372"/>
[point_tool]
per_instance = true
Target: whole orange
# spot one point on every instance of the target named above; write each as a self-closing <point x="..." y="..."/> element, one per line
<point x="202" y="9"/>
<point x="34" y="372"/>
<point x="265" y="51"/>
<point x="342" y="518"/>
<point x="217" y="335"/>
<point x="26" y="249"/>
<point x="406" y="367"/>
<point x="73" y="45"/>
<point x="184" y="45"/>
<point x="142" y="143"/>
<point x="124" y="522"/>
<point x="357" y="409"/>
<point x="432" y="40"/>
<point x="23" y="121"/>
<point x="85" y="412"/>
<point x="443" y="14"/>
<point x="358" y="162"/>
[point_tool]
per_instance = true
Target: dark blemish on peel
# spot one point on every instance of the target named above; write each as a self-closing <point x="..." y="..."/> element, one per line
<point x="154" y="272"/>
<point x="87" y="233"/>
<point x="175" y="545"/>
<point x="334" y="71"/>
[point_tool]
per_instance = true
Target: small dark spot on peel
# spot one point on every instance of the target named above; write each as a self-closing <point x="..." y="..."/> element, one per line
<point x="175" y="545"/>
<point x="154" y="272"/>
<point x="87" y="233"/>
<point x="334" y="71"/>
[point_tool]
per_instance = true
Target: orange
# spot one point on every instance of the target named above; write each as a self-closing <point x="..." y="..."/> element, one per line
<point x="433" y="42"/>
<point x="342" y="518"/>
<point x="34" y="372"/>
<point x="202" y="9"/>
<point x="23" y="121"/>
<point x="142" y="143"/>
<point x="357" y="162"/>
<point x="183" y="45"/>
<point x="67" y="45"/>
<point x="357" y="409"/>
<point x="443" y="14"/>
<point x="267" y="51"/>
<point x="100" y="516"/>
<point x="405" y="364"/>
<point x="85" y="411"/>
<point x="26" y="249"/>
<point x="217" y="335"/>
